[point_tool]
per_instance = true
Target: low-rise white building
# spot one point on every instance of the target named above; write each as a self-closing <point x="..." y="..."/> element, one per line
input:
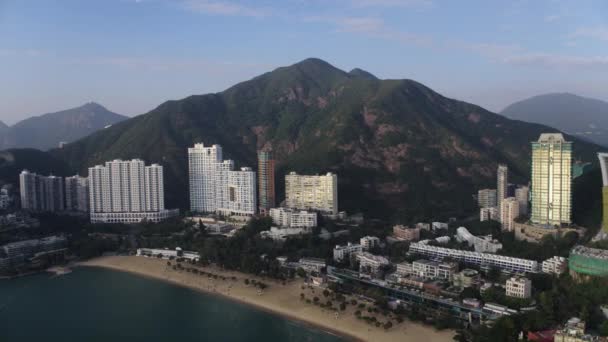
<point x="369" y="242"/>
<point x="287" y="217"/>
<point x="428" y="269"/>
<point x="343" y="252"/>
<point x="518" y="287"/>
<point x="281" y="234"/>
<point x="423" y="226"/>
<point x="439" y="225"/>
<point x="371" y="265"/>
<point x="404" y="269"/>
<point x="312" y="264"/>
<point x="168" y="253"/>
<point x="484" y="244"/>
<point x="555" y="265"/>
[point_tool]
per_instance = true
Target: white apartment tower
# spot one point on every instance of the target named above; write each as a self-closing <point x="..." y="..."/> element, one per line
<point x="127" y="192"/>
<point x="318" y="193"/>
<point x="215" y="187"/>
<point x="502" y="183"/>
<point x="509" y="211"/>
<point x="77" y="193"/>
<point x="486" y="198"/>
<point x="522" y="194"/>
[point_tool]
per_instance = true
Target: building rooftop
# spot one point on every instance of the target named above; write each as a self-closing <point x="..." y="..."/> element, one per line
<point x="551" y="138"/>
<point x="590" y="252"/>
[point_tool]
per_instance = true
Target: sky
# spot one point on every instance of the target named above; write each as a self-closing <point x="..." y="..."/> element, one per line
<point x="132" y="55"/>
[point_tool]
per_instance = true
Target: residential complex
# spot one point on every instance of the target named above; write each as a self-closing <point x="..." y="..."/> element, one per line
<point x="502" y="183"/>
<point x="215" y="187"/>
<point x="127" y="192"/>
<point x="485" y="260"/>
<point x="319" y="193"/>
<point x="518" y="287"/>
<point x="486" y="198"/>
<point x="404" y="233"/>
<point x="77" y="194"/>
<point x="266" y="189"/>
<point x="428" y="269"/>
<point x="287" y="217"/>
<point x="41" y="193"/>
<point x="371" y="265"/>
<point x="551" y="180"/>
<point x="369" y="242"/>
<point x="509" y="211"/>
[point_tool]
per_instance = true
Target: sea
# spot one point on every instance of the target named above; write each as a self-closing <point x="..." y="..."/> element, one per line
<point x="95" y="304"/>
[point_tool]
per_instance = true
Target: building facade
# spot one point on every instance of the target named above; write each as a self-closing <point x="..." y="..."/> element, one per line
<point x="77" y="193"/>
<point x="266" y="188"/>
<point x="502" y="185"/>
<point x="41" y="193"/>
<point x="428" y="269"/>
<point x="483" y="244"/>
<point x="551" y="180"/>
<point x="127" y="192"/>
<point x="518" y="287"/>
<point x="406" y="233"/>
<point x="319" y="193"/>
<point x="522" y="194"/>
<point x="369" y="242"/>
<point x="509" y="211"/>
<point x="215" y="187"/>
<point x="603" y="157"/>
<point x="287" y="217"/>
<point x="486" y="214"/>
<point x="486" y="198"/>
<point x="341" y="253"/>
<point x="485" y="260"/>
<point x="555" y="265"/>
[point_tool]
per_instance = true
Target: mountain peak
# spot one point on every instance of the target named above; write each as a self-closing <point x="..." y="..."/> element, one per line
<point x="93" y="106"/>
<point x="356" y="72"/>
<point x="3" y="125"/>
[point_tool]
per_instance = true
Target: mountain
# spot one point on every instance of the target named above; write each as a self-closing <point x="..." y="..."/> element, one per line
<point x="3" y="127"/>
<point x="47" y="131"/>
<point x="13" y="161"/>
<point x="580" y="116"/>
<point x="400" y="149"/>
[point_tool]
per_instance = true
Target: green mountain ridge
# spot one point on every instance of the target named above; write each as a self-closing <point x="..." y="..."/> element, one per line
<point x="401" y="150"/>
<point x="45" y="131"/>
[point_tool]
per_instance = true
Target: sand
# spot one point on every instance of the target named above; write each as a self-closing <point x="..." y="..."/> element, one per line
<point x="281" y="299"/>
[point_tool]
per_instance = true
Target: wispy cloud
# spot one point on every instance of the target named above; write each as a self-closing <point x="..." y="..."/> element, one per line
<point x="598" y="32"/>
<point x="556" y="61"/>
<point x="370" y="27"/>
<point x="226" y="8"/>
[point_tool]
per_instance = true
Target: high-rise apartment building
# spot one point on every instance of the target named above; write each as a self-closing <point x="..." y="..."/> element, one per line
<point x="41" y="193"/>
<point x="604" y="166"/>
<point x="502" y="185"/>
<point x="215" y="187"/>
<point x="522" y="195"/>
<point x="318" y="193"/>
<point x="266" y="191"/>
<point x="486" y="198"/>
<point x="509" y="211"/>
<point x="551" y="180"/>
<point x="127" y="192"/>
<point x="77" y="193"/>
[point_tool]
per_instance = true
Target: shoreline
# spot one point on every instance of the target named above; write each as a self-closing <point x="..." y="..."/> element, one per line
<point x="280" y="300"/>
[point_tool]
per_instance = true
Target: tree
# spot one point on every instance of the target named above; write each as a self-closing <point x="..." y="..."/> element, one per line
<point x="388" y="325"/>
<point x="300" y="272"/>
<point x="342" y="306"/>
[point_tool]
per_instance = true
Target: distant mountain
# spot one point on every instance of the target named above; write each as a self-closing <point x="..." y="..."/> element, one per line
<point x="580" y="116"/>
<point x="400" y="149"/>
<point x="47" y="131"/>
<point x="3" y="127"/>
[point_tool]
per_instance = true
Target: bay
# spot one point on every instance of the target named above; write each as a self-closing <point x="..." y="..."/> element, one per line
<point x="92" y="304"/>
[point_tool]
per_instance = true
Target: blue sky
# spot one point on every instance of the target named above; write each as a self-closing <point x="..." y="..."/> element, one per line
<point x="131" y="55"/>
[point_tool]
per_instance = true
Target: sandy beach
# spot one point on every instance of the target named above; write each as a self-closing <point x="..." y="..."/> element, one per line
<point x="280" y="299"/>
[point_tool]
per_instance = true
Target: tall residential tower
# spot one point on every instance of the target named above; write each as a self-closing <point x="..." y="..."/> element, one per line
<point x="604" y="165"/>
<point x="502" y="184"/>
<point x="266" y="181"/>
<point x="551" y="180"/>
<point x="215" y="187"/>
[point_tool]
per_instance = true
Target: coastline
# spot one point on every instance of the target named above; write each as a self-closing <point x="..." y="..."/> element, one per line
<point x="278" y="299"/>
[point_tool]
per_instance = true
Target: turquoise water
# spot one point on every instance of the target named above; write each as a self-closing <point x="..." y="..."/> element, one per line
<point x="92" y="304"/>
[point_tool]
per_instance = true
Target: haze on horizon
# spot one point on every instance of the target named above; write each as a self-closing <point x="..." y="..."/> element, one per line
<point x="131" y="55"/>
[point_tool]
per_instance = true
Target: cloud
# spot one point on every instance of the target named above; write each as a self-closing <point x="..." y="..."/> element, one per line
<point x="225" y="8"/>
<point x="598" y="32"/>
<point x="370" y="27"/>
<point x="556" y="61"/>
